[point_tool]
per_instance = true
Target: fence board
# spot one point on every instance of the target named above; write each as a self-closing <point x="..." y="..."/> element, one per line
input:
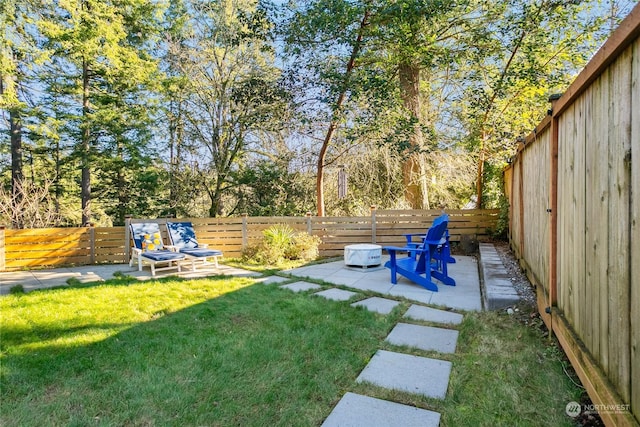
<point x="635" y="232"/>
<point x="581" y="314"/>
<point x="597" y="207"/>
<point x="619" y="226"/>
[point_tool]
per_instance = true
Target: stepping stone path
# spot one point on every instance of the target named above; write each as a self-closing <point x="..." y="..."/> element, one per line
<point x="301" y="286"/>
<point x="379" y="305"/>
<point x="336" y="294"/>
<point x="358" y="410"/>
<point x="394" y="370"/>
<point x="424" y="337"/>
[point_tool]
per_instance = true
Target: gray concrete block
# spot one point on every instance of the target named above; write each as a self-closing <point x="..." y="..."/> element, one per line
<point x="425" y="338"/>
<point x="300" y="286"/>
<point x="404" y="372"/>
<point x="356" y="410"/>
<point x="336" y="294"/>
<point x="498" y="291"/>
<point x="429" y="314"/>
<point x="273" y="279"/>
<point x="378" y="305"/>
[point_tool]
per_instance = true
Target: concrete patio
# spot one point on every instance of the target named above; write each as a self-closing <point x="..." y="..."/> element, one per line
<point x="465" y="295"/>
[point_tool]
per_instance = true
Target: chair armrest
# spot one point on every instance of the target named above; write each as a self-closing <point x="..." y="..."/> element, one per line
<point x="403" y="249"/>
<point x="413" y="234"/>
<point x="172" y="248"/>
<point x="410" y="236"/>
<point x="203" y="245"/>
<point x="136" y="251"/>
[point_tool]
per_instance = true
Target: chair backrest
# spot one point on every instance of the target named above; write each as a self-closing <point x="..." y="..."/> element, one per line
<point x="438" y="229"/>
<point x="146" y="236"/>
<point x="182" y="234"/>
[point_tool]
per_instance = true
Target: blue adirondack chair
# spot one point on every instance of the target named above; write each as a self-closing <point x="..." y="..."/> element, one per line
<point x="425" y="259"/>
<point x="183" y="240"/>
<point x="148" y="248"/>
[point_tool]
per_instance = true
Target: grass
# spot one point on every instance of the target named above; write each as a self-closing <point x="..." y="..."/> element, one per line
<point x="226" y="351"/>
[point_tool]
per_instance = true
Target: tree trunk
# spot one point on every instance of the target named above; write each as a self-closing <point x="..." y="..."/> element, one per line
<point x="9" y="83"/>
<point x="336" y="115"/>
<point x="480" y="173"/>
<point x="175" y="140"/>
<point x="17" y="176"/>
<point x="414" y="169"/>
<point x="85" y="192"/>
<point x="57" y="180"/>
<point x="123" y="199"/>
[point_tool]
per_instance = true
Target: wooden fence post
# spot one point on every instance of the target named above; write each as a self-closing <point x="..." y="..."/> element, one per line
<point x="373" y="224"/>
<point x="2" y="256"/>
<point x="92" y="243"/>
<point x="309" y="228"/>
<point x="553" y="206"/>
<point x="127" y="238"/>
<point x="245" y="233"/>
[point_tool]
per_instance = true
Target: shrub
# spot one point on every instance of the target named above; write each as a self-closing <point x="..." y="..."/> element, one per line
<point x="17" y="289"/>
<point x="304" y="247"/>
<point x="281" y="242"/>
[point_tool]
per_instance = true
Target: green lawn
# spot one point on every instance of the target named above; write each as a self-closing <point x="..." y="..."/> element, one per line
<point x="229" y="352"/>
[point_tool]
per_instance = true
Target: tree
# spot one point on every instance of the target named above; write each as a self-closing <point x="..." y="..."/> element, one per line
<point x="395" y="42"/>
<point x="97" y="46"/>
<point x="229" y="89"/>
<point x="18" y="48"/>
<point x="528" y="51"/>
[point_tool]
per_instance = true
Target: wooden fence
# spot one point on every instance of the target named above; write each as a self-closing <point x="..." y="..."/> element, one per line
<point x="50" y="247"/>
<point x="574" y="189"/>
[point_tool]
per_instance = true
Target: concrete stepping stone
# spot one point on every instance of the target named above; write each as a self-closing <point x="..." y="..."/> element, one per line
<point x="424" y="337"/>
<point x="301" y="286"/>
<point x="336" y="294"/>
<point x="273" y="279"/>
<point x="378" y="305"/>
<point x="404" y="372"/>
<point x="358" y="410"/>
<point x="428" y="314"/>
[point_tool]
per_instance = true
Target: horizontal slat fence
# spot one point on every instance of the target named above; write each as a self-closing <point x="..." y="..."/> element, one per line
<point x="50" y="247"/>
<point x="575" y="222"/>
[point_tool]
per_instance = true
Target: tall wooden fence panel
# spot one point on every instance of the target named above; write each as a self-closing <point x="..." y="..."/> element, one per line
<point x="529" y="201"/>
<point x="585" y="160"/>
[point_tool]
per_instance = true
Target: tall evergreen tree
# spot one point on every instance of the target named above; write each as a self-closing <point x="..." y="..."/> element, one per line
<point x="18" y="50"/>
<point x="97" y="46"/>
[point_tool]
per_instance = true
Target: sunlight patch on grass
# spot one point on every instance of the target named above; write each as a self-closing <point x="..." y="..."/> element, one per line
<point x="64" y="318"/>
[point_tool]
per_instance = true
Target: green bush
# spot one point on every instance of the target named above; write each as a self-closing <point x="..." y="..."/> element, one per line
<point x="304" y="246"/>
<point x="17" y="289"/>
<point x="279" y="243"/>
